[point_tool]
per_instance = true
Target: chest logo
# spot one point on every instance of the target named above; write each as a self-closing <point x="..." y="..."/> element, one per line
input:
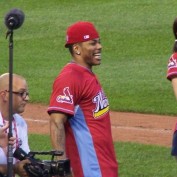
<point x="102" y="105"/>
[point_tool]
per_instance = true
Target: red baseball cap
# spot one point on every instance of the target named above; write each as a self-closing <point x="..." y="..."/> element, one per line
<point x="80" y="32"/>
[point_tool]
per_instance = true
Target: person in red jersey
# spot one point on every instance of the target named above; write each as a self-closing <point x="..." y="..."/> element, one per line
<point x="79" y="109"/>
<point x="172" y="76"/>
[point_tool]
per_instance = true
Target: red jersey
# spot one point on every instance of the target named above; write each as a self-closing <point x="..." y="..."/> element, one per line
<point x="89" y="144"/>
<point x="172" y="66"/>
<point x="172" y="71"/>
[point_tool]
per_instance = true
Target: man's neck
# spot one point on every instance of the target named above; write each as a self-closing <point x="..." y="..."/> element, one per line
<point x="5" y="114"/>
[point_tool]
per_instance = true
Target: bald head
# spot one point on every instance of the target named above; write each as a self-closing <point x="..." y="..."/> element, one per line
<point x="4" y="81"/>
<point x="20" y="94"/>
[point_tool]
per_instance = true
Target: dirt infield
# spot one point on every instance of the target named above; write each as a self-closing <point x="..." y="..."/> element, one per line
<point x="127" y="127"/>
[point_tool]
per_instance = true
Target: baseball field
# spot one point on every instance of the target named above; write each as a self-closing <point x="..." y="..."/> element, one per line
<point x="137" y="41"/>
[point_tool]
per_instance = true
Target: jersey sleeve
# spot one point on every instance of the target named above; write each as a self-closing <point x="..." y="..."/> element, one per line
<point x="64" y="94"/>
<point x="172" y="67"/>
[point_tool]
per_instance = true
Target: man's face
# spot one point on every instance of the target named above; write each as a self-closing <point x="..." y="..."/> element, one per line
<point x="90" y="52"/>
<point x="20" y="95"/>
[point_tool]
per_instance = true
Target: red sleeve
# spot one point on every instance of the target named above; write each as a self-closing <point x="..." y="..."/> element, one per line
<point x="63" y="96"/>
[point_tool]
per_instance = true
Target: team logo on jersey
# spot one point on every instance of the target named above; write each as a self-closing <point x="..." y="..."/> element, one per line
<point x="172" y="63"/>
<point x="66" y="97"/>
<point x="102" y="105"/>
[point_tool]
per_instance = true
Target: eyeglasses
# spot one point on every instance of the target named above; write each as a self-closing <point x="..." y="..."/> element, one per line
<point x="22" y="94"/>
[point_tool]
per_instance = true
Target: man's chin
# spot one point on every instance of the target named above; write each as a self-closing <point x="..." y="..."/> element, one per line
<point x="97" y="63"/>
<point x="21" y="110"/>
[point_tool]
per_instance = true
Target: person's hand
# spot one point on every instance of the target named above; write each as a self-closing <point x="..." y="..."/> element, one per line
<point x="12" y="140"/>
<point x="19" y="168"/>
<point x="4" y="136"/>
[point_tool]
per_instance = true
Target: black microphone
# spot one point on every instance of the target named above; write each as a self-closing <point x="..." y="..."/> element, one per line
<point x="14" y="19"/>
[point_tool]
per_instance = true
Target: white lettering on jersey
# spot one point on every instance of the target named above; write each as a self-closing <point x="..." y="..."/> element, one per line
<point x="102" y="105"/>
<point x="66" y="97"/>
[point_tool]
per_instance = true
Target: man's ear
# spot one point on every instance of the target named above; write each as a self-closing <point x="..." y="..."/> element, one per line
<point x="3" y="95"/>
<point x="76" y="49"/>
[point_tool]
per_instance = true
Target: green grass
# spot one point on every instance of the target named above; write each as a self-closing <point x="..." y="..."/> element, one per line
<point x="135" y="160"/>
<point x="137" y="41"/>
<point x="40" y="143"/>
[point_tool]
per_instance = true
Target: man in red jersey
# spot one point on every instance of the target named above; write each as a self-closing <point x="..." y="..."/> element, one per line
<point x="79" y="109"/>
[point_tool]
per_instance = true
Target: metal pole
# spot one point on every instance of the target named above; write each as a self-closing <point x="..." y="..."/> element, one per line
<point x="10" y="134"/>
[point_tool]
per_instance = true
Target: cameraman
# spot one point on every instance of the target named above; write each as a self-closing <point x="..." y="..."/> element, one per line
<point x="19" y="126"/>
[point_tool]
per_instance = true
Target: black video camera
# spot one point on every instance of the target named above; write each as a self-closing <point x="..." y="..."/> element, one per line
<point x="44" y="168"/>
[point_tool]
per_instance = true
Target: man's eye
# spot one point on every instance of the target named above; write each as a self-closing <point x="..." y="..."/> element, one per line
<point x="93" y="43"/>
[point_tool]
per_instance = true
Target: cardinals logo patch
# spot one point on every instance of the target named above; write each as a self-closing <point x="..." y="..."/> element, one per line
<point x="66" y="97"/>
